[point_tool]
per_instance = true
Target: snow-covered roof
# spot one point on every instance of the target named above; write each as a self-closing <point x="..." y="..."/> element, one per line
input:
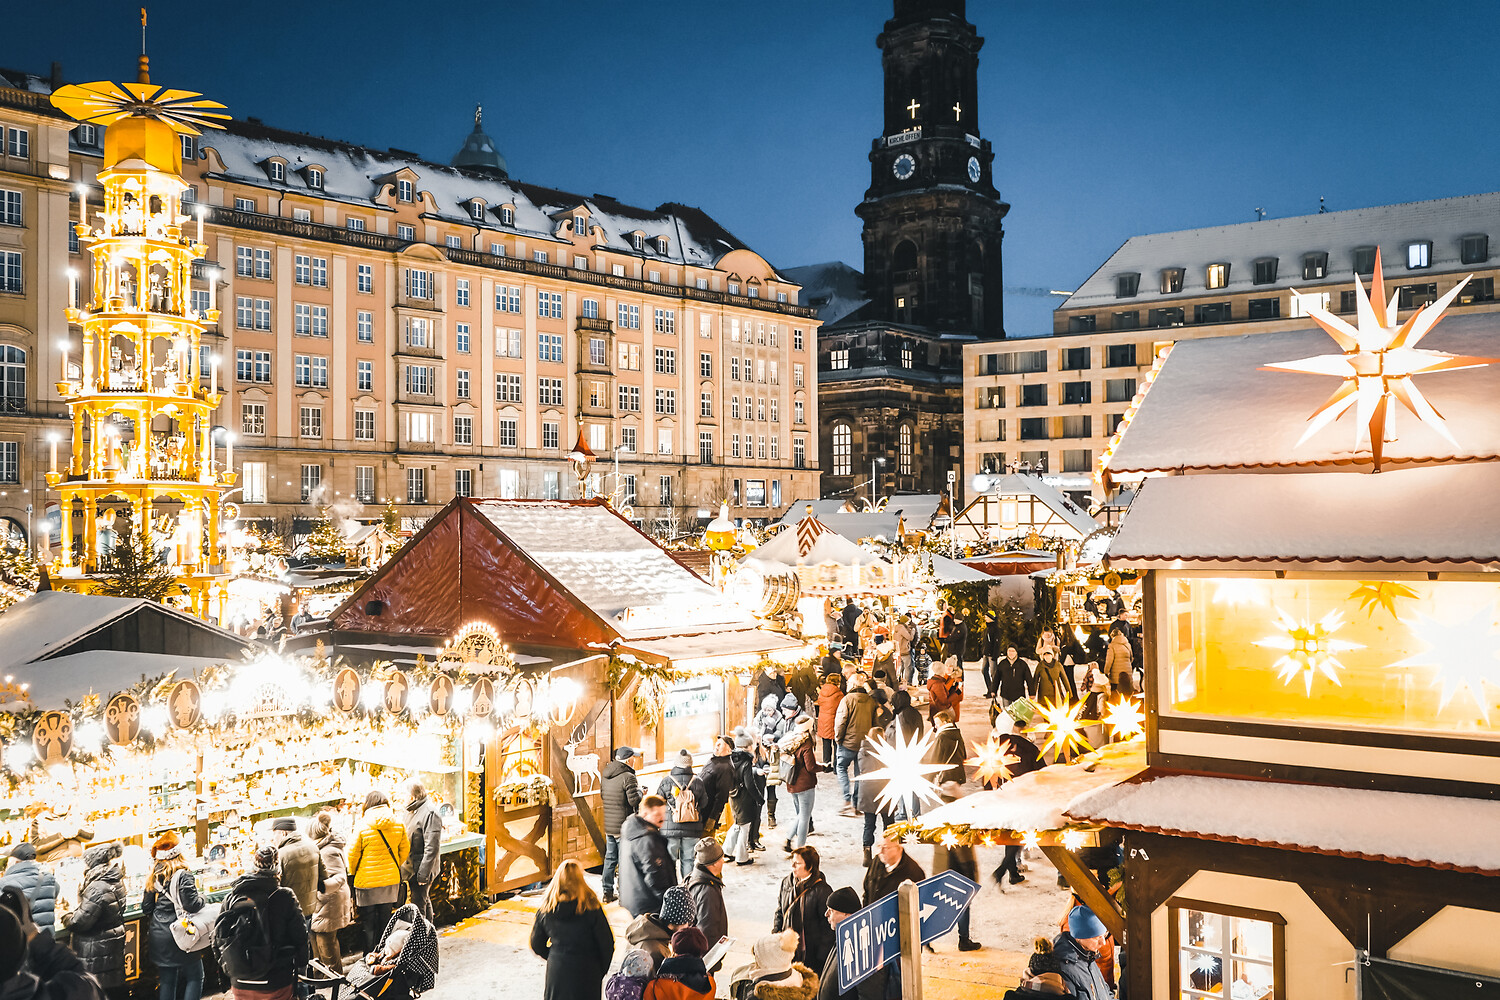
<point x="1212" y="406"/>
<point x="357" y="175"/>
<point x="1438" y="518"/>
<point x="52" y="620"/>
<point x="683" y="648"/>
<point x="829" y="547"/>
<point x="101" y="671"/>
<point x="917" y="509"/>
<point x="946" y="571"/>
<point x="833" y="288"/>
<point x="1040" y="800"/>
<point x="1021" y="485"/>
<point x="618" y="573"/>
<point x="1452" y="832"/>
<point x="1443" y="222"/>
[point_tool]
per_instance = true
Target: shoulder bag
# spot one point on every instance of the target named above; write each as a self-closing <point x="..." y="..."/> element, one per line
<point x="190" y="931"/>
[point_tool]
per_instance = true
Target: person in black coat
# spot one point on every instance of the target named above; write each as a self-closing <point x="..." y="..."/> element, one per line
<point x="843" y="904"/>
<point x="905" y="719"/>
<point x="280" y="915"/>
<point x="716" y="780"/>
<point x="748" y="795"/>
<point x="681" y="837"/>
<point x="33" y="964"/>
<point x="1016" y="681"/>
<point x="770" y="681"/>
<point x="98" y="925"/>
<point x="571" y="933"/>
<point x="991" y="649"/>
<point x="646" y="869"/>
<point x="802" y="907"/>
<point x="890" y="867"/>
<point x="622" y="797"/>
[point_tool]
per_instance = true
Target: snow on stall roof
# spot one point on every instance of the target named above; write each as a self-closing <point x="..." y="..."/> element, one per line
<point x="682" y="648"/>
<point x="1443" y="221"/>
<point x="53" y="619"/>
<point x="1020" y="484"/>
<point x="1457" y="833"/>
<point x="1211" y="407"/>
<point x="618" y="573"/>
<point x="101" y="671"/>
<point x="1442" y="517"/>
<point x="830" y="547"/>
<point x="1041" y="800"/>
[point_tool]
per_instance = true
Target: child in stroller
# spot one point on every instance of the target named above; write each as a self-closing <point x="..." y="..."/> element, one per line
<point x="403" y="965"/>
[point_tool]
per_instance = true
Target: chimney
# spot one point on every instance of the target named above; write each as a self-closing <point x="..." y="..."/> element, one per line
<point x="56" y="79"/>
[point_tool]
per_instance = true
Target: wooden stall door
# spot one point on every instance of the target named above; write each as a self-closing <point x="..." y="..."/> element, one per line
<point x="517" y="847"/>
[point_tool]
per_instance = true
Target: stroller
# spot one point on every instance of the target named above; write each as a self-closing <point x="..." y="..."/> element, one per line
<point x="412" y="972"/>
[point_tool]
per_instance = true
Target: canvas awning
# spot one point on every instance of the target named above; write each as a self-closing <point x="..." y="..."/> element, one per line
<point x="828" y="564"/>
<point x="690" y="650"/>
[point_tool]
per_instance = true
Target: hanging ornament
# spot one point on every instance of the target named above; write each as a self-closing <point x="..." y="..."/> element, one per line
<point x="993" y="760"/>
<point x="1309" y="648"/>
<point x="1063" y="727"/>
<point x="1464" y="655"/>
<point x="1125" y="718"/>
<point x="906" y="772"/>
<point x="1381" y="594"/>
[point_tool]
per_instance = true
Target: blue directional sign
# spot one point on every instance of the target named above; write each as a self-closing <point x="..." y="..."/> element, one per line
<point x="871" y="939"/>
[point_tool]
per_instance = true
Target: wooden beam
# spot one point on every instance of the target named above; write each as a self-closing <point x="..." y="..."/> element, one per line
<point x="561" y="780"/>
<point x="1088" y="888"/>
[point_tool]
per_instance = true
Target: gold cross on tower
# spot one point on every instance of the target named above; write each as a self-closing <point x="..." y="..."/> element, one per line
<point x="958" y="111"/>
<point x="912" y="107"/>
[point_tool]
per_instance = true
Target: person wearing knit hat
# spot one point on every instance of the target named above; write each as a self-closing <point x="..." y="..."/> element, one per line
<point x="630" y="981"/>
<point x="1077" y="952"/>
<point x="266" y="859"/>
<point x="684" y="976"/>
<point x="31" y="879"/>
<point x="98" y="921"/>
<point x="260" y="907"/>
<point x="677" y="908"/>
<point x="772" y="965"/>
<point x="706" y="885"/>
<point x="172" y="895"/>
<point x="843" y="904"/>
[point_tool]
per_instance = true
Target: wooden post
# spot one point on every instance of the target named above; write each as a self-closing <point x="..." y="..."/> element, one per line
<point x="200" y="814"/>
<point x="1083" y="882"/>
<point x="909" y="917"/>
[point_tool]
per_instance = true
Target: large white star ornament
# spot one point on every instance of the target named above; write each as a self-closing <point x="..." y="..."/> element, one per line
<point x="1308" y="648"/>
<point x="1464" y="655"/>
<point x="1380" y="360"/>
<point x="906" y="772"/>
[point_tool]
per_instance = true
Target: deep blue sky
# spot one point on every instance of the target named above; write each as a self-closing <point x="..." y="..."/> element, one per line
<point x="1108" y="119"/>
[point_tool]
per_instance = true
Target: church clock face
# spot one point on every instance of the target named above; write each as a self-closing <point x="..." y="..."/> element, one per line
<point x="973" y="170"/>
<point x="904" y="166"/>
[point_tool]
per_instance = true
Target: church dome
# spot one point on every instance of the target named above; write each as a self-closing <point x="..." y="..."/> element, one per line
<point x="479" y="152"/>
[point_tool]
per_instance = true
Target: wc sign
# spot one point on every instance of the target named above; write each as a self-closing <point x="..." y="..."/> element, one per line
<point x="871" y="939"/>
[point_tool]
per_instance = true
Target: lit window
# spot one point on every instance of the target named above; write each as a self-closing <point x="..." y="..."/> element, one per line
<point x="1418" y="255"/>
<point x="843" y="449"/>
<point x="1221" y="955"/>
<point x="1171" y="280"/>
<point x="904" y="450"/>
<point x="476" y="210"/>
<point x="312" y="478"/>
<point x="253" y="419"/>
<point x="311" y="421"/>
<point x="253" y="476"/>
<point x="1217" y="276"/>
<point x="838" y="359"/>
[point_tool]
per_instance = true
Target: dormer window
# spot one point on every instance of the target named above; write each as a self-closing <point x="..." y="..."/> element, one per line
<point x="1314" y="266"/>
<point x="277" y="170"/>
<point x="476" y="210"/>
<point x="507" y="216"/>
<point x="1217" y="276"/>
<point x="580" y="226"/>
<point x="87" y="135"/>
<point x="638" y="241"/>
<point x="405" y="190"/>
<point x="1126" y="285"/>
<point x="315" y="178"/>
<point x="1265" y="271"/>
<point x="1364" y="260"/>
<point x="661" y="245"/>
<point x="1418" y="255"/>
<point x="189" y="147"/>
<point x="1474" y="249"/>
<point x="1171" y="280"/>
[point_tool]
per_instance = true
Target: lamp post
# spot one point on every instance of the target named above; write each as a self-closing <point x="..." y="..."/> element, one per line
<point x="873" y="463"/>
<point x="580" y="458"/>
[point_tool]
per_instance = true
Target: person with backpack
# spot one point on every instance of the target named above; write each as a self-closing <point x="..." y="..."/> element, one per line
<point x="171" y="896"/>
<point x="261" y="937"/>
<point x="646" y="869"/>
<point x="26" y="874"/>
<point x="98" y="924"/>
<point x="685" y="812"/>
<point x="744" y="800"/>
<point x="375" y="860"/>
<point x="33" y="964"/>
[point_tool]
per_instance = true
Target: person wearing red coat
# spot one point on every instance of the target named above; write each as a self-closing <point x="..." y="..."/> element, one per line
<point x="945" y="690"/>
<point x="829" y="696"/>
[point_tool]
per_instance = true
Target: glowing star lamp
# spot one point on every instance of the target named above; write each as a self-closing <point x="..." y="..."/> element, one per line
<point x="994" y="760"/>
<point x="1063" y="728"/>
<point x="1464" y="655"/>
<point x="1125" y="718"/>
<point x="1378" y="363"/>
<point x="1237" y="592"/>
<point x="1309" y="648"/>
<point x="1382" y="594"/>
<point x="1072" y="840"/>
<point x="906" y="773"/>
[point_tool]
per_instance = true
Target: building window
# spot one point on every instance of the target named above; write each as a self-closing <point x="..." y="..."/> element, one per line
<point x="319" y="321"/>
<point x="706" y="365"/>
<point x="417" y="330"/>
<point x="364" y="326"/>
<point x="1216" y="276"/>
<point x="253" y="419"/>
<point x="904" y="449"/>
<point x="312" y="478"/>
<point x="589" y="308"/>
<point x="734" y="446"/>
<point x="665" y="320"/>
<point x="627" y="439"/>
<point x="463" y="430"/>
<point x="1477" y="290"/>
<point x="1168" y="316"/>
<point x="1081" y="324"/>
<point x="1076" y="392"/>
<point x="461" y="292"/>
<point x="843" y="449"/>
<point x="419" y="380"/>
<point x="797" y="376"/>
<point x="404" y="190"/>
<point x="838" y="359"/>
<point x="507" y="388"/>
<point x="463" y="482"/>
<point x="666" y="401"/>
<point x="1474" y="249"/>
<point x="315" y="178"/>
<point x="311" y="421"/>
<point x="549" y="305"/>
<point x="461" y="338"/>
<point x="1119" y="390"/>
<point x="1236" y="952"/>
<point x="10" y="209"/>
<point x="416" y="485"/>
<point x="364" y="425"/>
<point x="799" y="453"/>
<point x="462" y="390"/>
<point x="540" y="256"/>
<point x="666" y="361"/>
<point x="253" y="477"/>
<point x="734" y="407"/>
<point x="598" y="352"/>
<point x="1119" y="356"/>
<point x="1314" y="266"/>
<point x="1418" y="255"/>
<point x="507" y="215"/>
<point x="628" y="317"/>
<point x="352" y="223"/>
<point x="1264" y="308"/>
<point x="1126" y="285"/>
<point x="1364" y="260"/>
<point x="418" y="284"/>
<point x="508" y="298"/>
<point x="706" y="447"/>
<point x="301" y="319"/>
<point x="734" y="369"/>
<point x="252" y="366"/>
<point x="1303" y="303"/>
<point x="1075" y="359"/>
<point x="364" y="483"/>
<point x="311" y="372"/>
<point x="507" y="428"/>
<point x="1265" y="271"/>
<point x="797" y="411"/>
<point x="549" y="434"/>
<point x="278" y="171"/>
<point x="549" y="391"/>
<point x="1034" y="429"/>
<point x="364" y="278"/>
<point x="549" y="347"/>
<point x="705" y="404"/>
<point x="1171" y="280"/>
<point x="1211" y="312"/>
<point x="905" y="355"/>
<point x="1077" y="459"/>
<point x="1034" y="394"/>
<point x="242" y="204"/>
<point x="1415" y="296"/>
<point x="630" y="398"/>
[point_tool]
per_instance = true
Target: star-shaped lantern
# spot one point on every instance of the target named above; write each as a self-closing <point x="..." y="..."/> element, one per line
<point x="1381" y="594"/>
<point x="993" y="760"/>
<point x="1063" y="727"/>
<point x="1379" y="360"/>
<point x="1465" y="654"/>
<point x="906" y="771"/>
<point x="1125" y="718"/>
<point x="1309" y="648"/>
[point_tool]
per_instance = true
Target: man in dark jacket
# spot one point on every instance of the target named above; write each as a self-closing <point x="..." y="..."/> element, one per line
<point x="843" y="904"/>
<point x="622" y="797"/>
<point x="280" y="917"/>
<point x="948" y="748"/>
<point x="707" y="889"/>
<point x="98" y="924"/>
<point x="35" y="966"/>
<point x="646" y="869"/>
<point x="856" y="715"/>
<point x="770" y="681"/>
<point x="991" y="650"/>
<point x="302" y="868"/>
<point x="37" y="884"/>
<point x="424" y="831"/>
<point x="888" y="869"/>
<point x="1016" y="681"/>
<point x="1025" y="759"/>
<point x="849" y="619"/>
<point x="1077" y="951"/>
<point x="744" y="801"/>
<point x="717" y="782"/>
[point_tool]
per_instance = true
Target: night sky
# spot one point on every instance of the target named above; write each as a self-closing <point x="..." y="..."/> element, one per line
<point x="1108" y="119"/>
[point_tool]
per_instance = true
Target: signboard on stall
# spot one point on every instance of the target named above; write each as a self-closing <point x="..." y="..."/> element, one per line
<point x="397" y="692"/>
<point x="440" y="696"/>
<point x="185" y="705"/>
<point x="346" y="690"/>
<point x="122" y="719"/>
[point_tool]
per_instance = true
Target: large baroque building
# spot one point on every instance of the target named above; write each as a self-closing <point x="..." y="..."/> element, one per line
<point x="890" y="353"/>
<point x="1053" y="403"/>
<point x="399" y="330"/>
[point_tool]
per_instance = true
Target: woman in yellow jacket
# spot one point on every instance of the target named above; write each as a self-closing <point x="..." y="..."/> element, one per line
<point x="375" y="859"/>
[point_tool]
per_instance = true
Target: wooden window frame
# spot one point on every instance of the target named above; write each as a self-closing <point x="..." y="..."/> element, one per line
<point x="1278" y="939"/>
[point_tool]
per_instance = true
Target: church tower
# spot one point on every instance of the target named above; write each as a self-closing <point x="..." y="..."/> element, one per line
<point x="932" y="217"/>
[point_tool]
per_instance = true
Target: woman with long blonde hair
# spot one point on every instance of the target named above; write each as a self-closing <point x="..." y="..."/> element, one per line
<point x="572" y="934"/>
<point x="168" y="897"/>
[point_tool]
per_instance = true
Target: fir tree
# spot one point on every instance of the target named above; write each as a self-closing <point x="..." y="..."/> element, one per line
<point x="327" y="543"/>
<point x="138" y="570"/>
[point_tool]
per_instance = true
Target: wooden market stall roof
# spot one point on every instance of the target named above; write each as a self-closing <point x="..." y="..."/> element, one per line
<point x="1018" y="504"/>
<point x="558" y="573"/>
